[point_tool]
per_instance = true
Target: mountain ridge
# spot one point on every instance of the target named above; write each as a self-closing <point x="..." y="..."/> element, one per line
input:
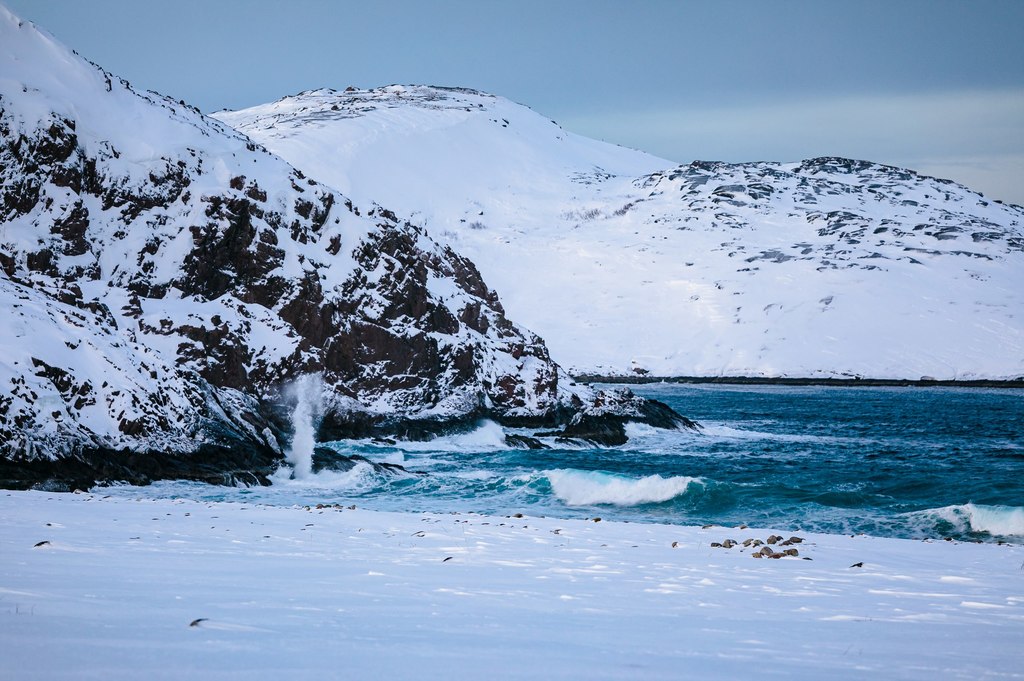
<point x="828" y="267"/>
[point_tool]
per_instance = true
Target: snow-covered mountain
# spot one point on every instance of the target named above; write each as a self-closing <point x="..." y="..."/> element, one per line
<point x="165" y="278"/>
<point x="626" y="263"/>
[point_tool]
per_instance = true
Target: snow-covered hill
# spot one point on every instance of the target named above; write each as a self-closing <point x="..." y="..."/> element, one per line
<point x="626" y="263"/>
<point x="165" y="278"/>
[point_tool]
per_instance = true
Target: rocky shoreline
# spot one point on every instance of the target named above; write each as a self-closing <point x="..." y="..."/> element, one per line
<point x="235" y="458"/>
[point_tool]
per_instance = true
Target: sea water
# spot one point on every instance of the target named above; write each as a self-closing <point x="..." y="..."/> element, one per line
<point x="907" y="462"/>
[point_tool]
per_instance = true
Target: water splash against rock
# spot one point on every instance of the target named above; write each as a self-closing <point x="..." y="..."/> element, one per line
<point x="307" y="391"/>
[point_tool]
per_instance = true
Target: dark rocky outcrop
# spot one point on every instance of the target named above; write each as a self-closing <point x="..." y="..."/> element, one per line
<point x="325" y="458"/>
<point x="524" y="442"/>
<point x="235" y="462"/>
<point x="608" y="427"/>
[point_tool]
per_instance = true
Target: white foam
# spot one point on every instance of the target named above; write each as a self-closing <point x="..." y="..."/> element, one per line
<point x="721" y="430"/>
<point x="659" y="437"/>
<point x="586" y="488"/>
<point x="488" y="436"/>
<point x="1000" y="521"/>
<point x="997" y="520"/>
<point x="360" y="477"/>
<point x="636" y="430"/>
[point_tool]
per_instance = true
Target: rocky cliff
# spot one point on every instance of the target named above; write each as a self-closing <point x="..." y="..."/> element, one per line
<point x="166" y="279"/>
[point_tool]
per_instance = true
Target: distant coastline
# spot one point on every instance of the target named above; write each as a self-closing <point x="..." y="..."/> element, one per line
<point x="794" y="381"/>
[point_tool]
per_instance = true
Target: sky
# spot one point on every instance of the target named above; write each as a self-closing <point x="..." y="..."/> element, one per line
<point x="932" y="85"/>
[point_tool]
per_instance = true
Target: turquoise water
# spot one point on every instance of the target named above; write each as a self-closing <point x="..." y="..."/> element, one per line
<point x="896" y="462"/>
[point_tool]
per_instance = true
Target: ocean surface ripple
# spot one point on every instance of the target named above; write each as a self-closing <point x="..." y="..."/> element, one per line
<point x="895" y="462"/>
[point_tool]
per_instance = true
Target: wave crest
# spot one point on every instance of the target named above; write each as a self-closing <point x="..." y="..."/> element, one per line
<point x="998" y="521"/>
<point x="360" y="477"/>
<point x="488" y="436"/>
<point x="588" y="488"/>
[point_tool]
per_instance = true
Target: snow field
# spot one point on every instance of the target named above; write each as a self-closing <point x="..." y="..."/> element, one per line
<point x="94" y="587"/>
<point x="823" y="269"/>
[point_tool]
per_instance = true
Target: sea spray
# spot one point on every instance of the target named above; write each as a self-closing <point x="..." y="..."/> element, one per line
<point x="307" y="391"/>
<point x="586" y="488"/>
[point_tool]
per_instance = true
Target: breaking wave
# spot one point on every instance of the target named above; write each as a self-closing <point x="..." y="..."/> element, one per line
<point x="488" y="436"/>
<point x="997" y="521"/>
<point x="360" y="477"/>
<point x="588" y="488"/>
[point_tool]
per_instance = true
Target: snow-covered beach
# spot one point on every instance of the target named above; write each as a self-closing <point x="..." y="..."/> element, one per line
<point x="120" y="588"/>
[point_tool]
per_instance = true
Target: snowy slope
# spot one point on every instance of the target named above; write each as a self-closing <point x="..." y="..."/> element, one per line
<point x="167" y="279"/>
<point x="628" y="263"/>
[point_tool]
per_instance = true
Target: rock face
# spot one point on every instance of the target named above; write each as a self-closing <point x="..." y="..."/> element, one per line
<point x="166" y="278"/>
<point x="83" y="400"/>
<point x="651" y="268"/>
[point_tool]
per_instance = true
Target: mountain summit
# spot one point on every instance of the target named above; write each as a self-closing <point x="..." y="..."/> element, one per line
<point x="630" y="264"/>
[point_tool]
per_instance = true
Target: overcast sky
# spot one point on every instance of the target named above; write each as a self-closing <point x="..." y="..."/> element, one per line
<point x="934" y="85"/>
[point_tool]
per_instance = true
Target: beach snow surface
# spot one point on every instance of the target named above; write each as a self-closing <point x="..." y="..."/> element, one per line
<point x="95" y="587"/>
